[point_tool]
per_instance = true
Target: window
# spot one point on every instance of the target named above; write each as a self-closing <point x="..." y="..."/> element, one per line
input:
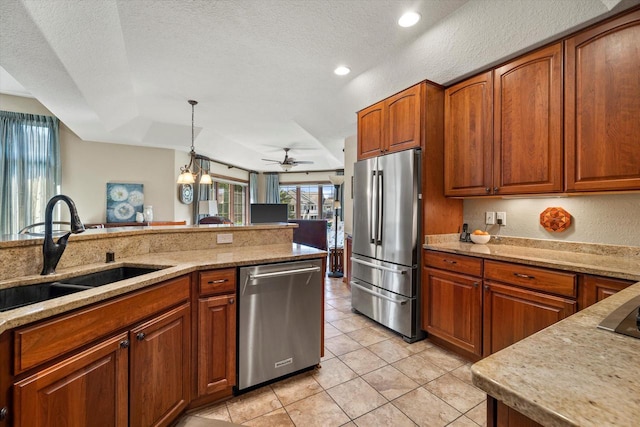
<point x="308" y="201"/>
<point x="29" y="169"/>
<point x="232" y="201"/>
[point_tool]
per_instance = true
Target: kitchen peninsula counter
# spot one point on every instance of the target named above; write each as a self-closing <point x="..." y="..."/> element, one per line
<point x="571" y="373"/>
<point x="176" y="253"/>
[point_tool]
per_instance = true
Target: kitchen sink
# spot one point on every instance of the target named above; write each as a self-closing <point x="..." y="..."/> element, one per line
<point x="625" y="319"/>
<point x="19" y="296"/>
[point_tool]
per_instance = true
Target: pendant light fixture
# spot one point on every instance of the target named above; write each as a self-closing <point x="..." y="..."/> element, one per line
<point x="186" y="175"/>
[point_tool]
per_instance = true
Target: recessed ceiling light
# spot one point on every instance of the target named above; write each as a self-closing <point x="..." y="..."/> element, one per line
<point x="342" y="71"/>
<point x="409" y="19"/>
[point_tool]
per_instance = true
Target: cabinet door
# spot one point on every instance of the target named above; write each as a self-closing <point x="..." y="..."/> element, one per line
<point x="216" y="344"/>
<point x="527" y="153"/>
<point x="160" y="368"/>
<point x="88" y="389"/>
<point x="602" y="108"/>
<point x="371" y="131"/>
<point x="468" y="137"/>
<point x="596" y="288"/>
<point x="511" y="314"/>
<point x="452" y="308"/>
<point x="403" y="116"/>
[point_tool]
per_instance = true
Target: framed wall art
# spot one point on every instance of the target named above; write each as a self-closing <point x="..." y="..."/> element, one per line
<point x="124" y="201"/>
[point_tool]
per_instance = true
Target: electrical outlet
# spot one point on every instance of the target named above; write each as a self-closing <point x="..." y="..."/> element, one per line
<point x="501" y="218"/>
<point x="489" y="218"/>
<point x="225" y="238"/>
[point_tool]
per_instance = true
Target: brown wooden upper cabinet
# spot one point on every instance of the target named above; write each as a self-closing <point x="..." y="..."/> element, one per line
<point x="503" y="129"/>
<point x="602" y="101"/>
<point x="393" y="124"/>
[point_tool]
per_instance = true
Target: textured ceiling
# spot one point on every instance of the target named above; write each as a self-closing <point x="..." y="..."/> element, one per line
<point x="122" y="71"/>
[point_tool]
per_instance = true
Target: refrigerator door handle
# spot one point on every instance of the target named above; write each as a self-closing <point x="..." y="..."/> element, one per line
<point x="378" y="267"/>
<point x="374" y="210"/>
<point x="379" y="207"/>
<point x="375" y="294"/>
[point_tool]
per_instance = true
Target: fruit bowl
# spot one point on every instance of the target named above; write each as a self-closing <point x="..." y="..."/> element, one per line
<point x="480" y="238"/>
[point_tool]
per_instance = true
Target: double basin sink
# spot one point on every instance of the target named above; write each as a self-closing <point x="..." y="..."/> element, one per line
<point x="24" y="295"/>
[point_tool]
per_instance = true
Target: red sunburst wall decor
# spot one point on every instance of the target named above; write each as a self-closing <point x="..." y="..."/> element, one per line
<point x="555" y="219"/>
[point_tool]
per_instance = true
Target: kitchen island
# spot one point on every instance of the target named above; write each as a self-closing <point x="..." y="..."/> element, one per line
<point x="571" y="373"/>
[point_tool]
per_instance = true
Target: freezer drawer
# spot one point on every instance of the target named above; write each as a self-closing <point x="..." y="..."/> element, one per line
<point x="279" y="322"/>
<point x="392" y="277"/>
<point x="391" y="310"/>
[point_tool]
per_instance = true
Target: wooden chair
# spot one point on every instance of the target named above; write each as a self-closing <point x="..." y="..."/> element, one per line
<point x="215" y="220"/>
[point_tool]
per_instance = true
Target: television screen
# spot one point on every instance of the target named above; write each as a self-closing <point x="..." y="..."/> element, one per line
<point x="268" y="212"/>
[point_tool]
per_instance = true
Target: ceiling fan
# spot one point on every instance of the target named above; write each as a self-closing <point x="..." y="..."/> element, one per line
<point x="288" y="162"/>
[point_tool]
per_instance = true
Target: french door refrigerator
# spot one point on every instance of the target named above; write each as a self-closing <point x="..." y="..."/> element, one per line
<point x="387" y="209"/>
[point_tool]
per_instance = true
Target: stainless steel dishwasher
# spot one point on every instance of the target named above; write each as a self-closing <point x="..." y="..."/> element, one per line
<point x="280" y="320"/>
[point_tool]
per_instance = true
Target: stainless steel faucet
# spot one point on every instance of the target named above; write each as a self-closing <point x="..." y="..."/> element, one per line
<point x="51" y="251"/>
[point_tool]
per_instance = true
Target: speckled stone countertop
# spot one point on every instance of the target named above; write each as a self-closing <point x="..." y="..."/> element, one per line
<point x="173" y="264"/>
<point x="571" y="373"/>
<point x="622" y="262"/>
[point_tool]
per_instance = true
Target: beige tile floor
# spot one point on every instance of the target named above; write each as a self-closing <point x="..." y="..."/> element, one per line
<point x="368" y="377"/>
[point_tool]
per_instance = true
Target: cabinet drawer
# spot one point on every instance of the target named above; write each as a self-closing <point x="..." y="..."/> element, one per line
<point x="217" y="281"/>
<point x="541" y="279"/>
<point x="452" y="262"/>
<point x="49" y="339"/>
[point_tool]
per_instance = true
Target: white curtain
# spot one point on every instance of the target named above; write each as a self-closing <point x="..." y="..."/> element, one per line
<point x="29" y="168"/>
<point x="273" y="188"/>
<point x="253" y="187"/>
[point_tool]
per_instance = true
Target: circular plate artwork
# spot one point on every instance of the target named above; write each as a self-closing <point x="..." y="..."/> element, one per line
<point x="555" y="219"/>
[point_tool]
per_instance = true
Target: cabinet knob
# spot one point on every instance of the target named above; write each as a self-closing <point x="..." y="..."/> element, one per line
<point x="486" y="287"/>
<point x="495" y="189"/>
<point x="124" y="344"/>
<point x="140" y="336"/>
<point x="475" y="284"/>
<point x="231" y="300"/>
<point x="487" y="190"/>
<point x="3" y="413"/>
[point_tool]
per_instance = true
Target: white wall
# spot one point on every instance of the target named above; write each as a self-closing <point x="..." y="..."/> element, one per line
<point x="609" y="219"/>
<point x="350" y="156"/>
<point x="88" y="166"/>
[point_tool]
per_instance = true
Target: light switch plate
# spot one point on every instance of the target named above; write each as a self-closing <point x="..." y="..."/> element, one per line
<point x="225" y="238"/>
<point x="489" y="218"/>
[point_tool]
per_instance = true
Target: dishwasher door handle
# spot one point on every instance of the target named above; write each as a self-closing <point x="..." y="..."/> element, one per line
<point x="375" y="294"/>
<point x="283" y="273"/>
<point x="378" y="267"/>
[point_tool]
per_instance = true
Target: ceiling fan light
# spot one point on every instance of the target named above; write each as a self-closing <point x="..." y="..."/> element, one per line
<point x="286" y="167"/>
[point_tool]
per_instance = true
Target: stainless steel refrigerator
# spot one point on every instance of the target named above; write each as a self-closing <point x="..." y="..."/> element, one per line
<point x="387" y="209"/>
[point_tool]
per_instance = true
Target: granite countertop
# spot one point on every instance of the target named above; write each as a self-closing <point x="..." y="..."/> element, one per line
<point x="620" y="262"/>
<point x="571" y="373"/>
<point x="173" y="264"/>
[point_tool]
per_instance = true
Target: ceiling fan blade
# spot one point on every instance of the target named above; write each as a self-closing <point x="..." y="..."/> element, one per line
<point x="270" y="160"/>
<point x="303" y="162"/>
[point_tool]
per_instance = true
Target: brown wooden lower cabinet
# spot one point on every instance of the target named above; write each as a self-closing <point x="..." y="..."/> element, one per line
<point x="511" y="314"/>
<point x="160" y="369"/>
<point x="596" y="288"/>
<point x="452" y="309"/>
<point x="501" y="415"/>
<point x="216" y="344"/>
<point x="89" y="388"/>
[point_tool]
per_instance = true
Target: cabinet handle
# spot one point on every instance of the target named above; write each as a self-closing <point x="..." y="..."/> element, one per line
<point x="487" y="189"/>
<point x="523" y="276"/>
<point x="231" y="300"/>
<point x="495" y="189"/>
<point x="486" y="287"/>
<point x="213" y="282"/>
<point x="140" y="336"/>
<point x="448" y="261"/>
<point x="475" y="285"/>
<point x="124" y="344"/>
